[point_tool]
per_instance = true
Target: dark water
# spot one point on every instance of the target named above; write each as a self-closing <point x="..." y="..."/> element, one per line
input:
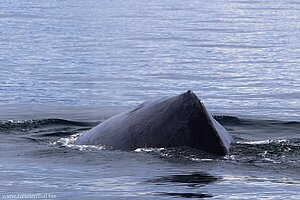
<point x="38" y="156"/>
<point x="68" y="65"/>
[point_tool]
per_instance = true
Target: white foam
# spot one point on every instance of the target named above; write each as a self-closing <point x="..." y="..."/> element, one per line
<point x="69" y="142"/>
<point x="202" y="159"/>
<point x="263" y="142"/>
<point x="149" y="149"/>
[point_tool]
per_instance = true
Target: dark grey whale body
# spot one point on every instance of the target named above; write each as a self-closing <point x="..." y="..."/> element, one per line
<point x="167" y="122"/>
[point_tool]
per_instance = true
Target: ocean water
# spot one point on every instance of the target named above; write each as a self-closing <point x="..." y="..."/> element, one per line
<point x="68" y="65"/>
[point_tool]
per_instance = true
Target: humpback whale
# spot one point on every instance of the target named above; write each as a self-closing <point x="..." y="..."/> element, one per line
<point x="178" y="121"/>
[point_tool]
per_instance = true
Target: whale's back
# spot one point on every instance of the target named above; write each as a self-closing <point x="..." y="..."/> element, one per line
<point x="167" y="122"/>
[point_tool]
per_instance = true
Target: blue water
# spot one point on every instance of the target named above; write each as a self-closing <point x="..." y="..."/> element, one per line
<point x="83" y="61"/>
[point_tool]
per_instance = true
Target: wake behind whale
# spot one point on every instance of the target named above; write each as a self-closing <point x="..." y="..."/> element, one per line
<point x="167" y="122"/>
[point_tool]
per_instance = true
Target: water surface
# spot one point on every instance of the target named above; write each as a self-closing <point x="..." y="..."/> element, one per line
<point x="68" y="65"/>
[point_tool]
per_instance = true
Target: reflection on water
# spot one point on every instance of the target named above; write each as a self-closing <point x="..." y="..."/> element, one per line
<point x="196" y="179"/>
<point x="191" y="180"/>
<point x="187" y="195"/>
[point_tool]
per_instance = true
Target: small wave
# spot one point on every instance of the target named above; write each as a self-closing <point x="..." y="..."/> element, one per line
<point x="25" y="125"/>
<point x="149" y="150"/>
<point x="284" y="180"/>
<point x="69" y="143"/>
<point x="285" y="152"/>
<point x="180" y="154"/>
<point x="236" y="121"/>
<point x="262" y="142"/>
<point x="202" y="159"/>
<point x="257" y="131"/>
<point x="223" y="119"/>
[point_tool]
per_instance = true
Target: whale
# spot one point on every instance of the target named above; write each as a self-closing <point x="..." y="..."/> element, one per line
<point x="177" y="121"/>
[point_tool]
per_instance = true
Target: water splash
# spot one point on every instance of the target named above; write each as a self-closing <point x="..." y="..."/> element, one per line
<point x="69" y="143"/>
